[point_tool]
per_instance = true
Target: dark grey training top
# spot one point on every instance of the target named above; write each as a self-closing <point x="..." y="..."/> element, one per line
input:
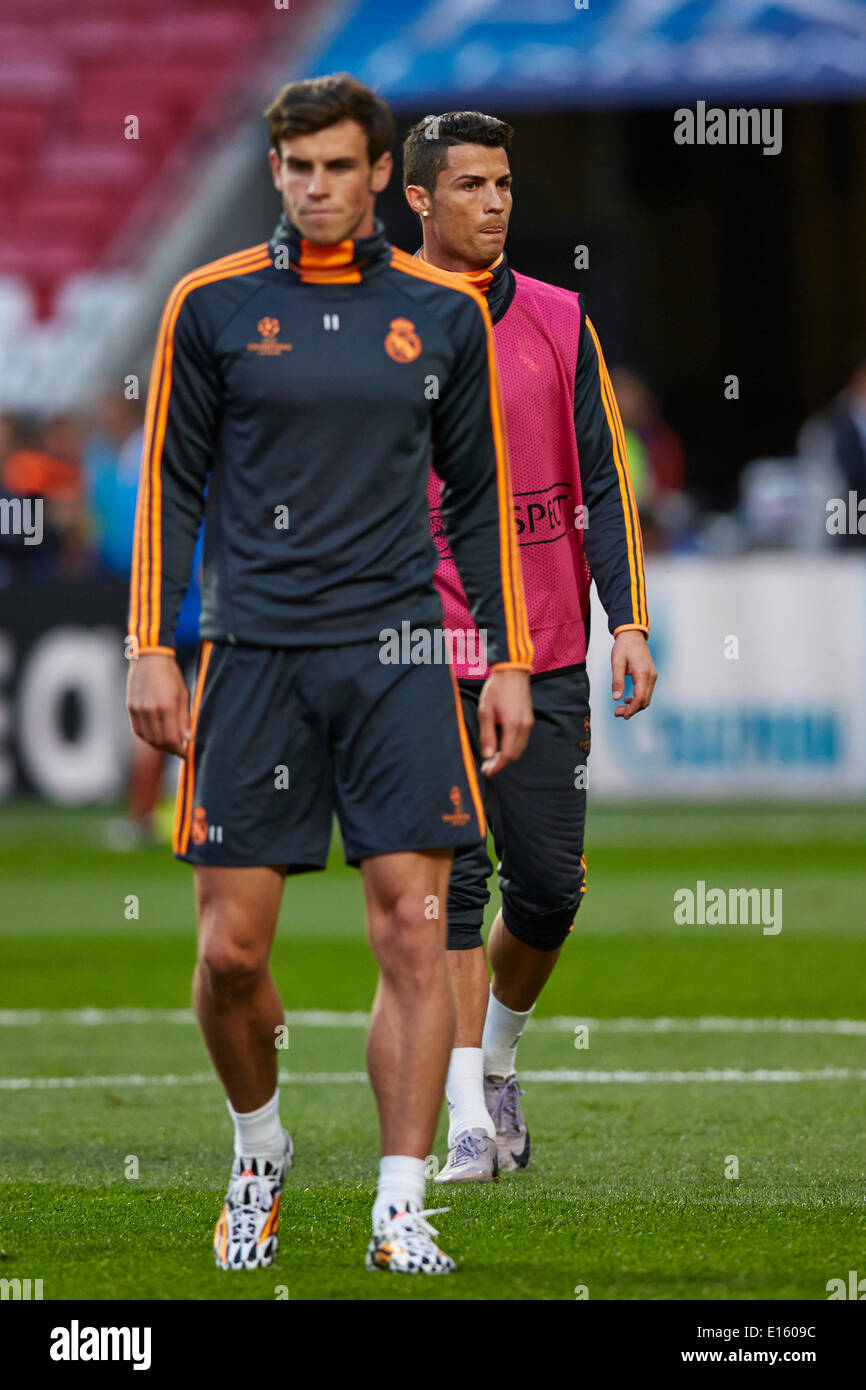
<point x="296" y="393"/>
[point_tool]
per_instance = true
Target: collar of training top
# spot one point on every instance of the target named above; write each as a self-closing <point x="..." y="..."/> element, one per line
<point x="496" y="282"/>
<point x="342" y="263"/>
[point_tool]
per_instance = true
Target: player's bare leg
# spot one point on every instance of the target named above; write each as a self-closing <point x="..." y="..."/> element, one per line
<point x="146" y="769"/>
<point x="471" y="1132"/>
<point x="145" y="782"/>
<point x="520" y="972"/>
<point x="239" y="1012"/>
<point x="409" y="1044"/>
<point x="470" y="983"/>
<point x="236" y="1000"/>
<point x="412" y="1028"/>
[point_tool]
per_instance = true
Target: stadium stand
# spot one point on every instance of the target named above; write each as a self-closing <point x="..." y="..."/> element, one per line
<point x="83" y="189"/>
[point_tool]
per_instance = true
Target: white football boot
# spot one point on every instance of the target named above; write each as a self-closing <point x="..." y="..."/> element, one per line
<point x="502" y="1098"/>
<point x="245" y="1236"/>
<point x="471" y="1158"/>
<point x="404" y="1242"/>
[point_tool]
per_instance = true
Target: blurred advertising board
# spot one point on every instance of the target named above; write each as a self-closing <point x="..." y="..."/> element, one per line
<point x="761" y="663"/>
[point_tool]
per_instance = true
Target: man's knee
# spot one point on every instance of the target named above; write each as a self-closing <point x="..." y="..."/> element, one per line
<point x="230" y="956"/>
<point x="405" y="936"/>
<point x="542" y="916"/>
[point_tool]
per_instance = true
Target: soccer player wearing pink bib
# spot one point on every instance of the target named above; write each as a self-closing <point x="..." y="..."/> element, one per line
<point x="577" y="521"/>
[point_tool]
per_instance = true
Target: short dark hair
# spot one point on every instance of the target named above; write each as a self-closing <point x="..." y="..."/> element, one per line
<point x="302" y="108"/>
<point x="425" y="147"/>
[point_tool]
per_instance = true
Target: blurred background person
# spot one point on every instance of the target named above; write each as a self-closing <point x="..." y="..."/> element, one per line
<point x="656" y="458"/>
<point x="44" y="464"/>
<point x="112" y="460"/>
<point x="834" y="441"/>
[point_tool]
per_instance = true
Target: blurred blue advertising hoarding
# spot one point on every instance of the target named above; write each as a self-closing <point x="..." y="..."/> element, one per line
<point x="760" y="659"/>
<point x="585" y="53"/>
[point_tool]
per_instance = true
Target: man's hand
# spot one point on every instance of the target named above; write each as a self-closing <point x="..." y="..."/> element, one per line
<point x="158" y="702"/>
<point x="631" y="657"/>
<point x="505" y="719"/>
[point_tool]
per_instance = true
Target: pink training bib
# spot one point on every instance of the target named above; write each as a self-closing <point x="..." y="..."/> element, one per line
<point x="536" y="349"/>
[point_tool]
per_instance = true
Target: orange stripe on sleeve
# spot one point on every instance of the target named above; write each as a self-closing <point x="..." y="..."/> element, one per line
<point x="641" y="575"/>
<point x="145" y="589"/>
<point x="634" y="545"/>
<point x="643" y="616"/>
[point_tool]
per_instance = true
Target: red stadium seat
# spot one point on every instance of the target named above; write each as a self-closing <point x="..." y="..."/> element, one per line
<point x="31" y="75"/>
<point x="87" y="218"/>
<point x="114" y="164"/>
<point x="177" y="89"/>
<point x="101" y="119"/>
<point x="49" y="14"/>
<point x="218" y="35"/>
<point x="22" y="128"/>
<point x="101" y="37"/>
<point x="14" y="172"/>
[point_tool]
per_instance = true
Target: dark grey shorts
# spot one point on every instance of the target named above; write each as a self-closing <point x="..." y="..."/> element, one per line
<point x="284" y="738"/>
<point x="536" y="814"/>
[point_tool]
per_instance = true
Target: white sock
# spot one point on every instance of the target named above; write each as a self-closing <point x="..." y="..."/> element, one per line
<point x="258" y="1133"/>
<point x="503" y="1029"/>
<point x="464" y="1091"/>
<point x="401" y="1184"/>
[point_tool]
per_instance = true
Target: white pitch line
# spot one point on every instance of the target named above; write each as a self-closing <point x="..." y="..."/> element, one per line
<point x="853" y="1027"/>
<point x="332" y="1018"/>
<point x="101" y="1018"/>
<point x="342" y="1078"/>
<point x="197" y="1078"/>
<point x="708" y="1074"/>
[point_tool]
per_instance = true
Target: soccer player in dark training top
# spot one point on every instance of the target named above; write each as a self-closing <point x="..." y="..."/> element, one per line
<point x="577" y="520"/>
<point x="291" y="406"/>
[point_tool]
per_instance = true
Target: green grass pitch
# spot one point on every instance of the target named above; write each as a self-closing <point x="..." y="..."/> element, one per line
<point x="627" y="1194"/>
